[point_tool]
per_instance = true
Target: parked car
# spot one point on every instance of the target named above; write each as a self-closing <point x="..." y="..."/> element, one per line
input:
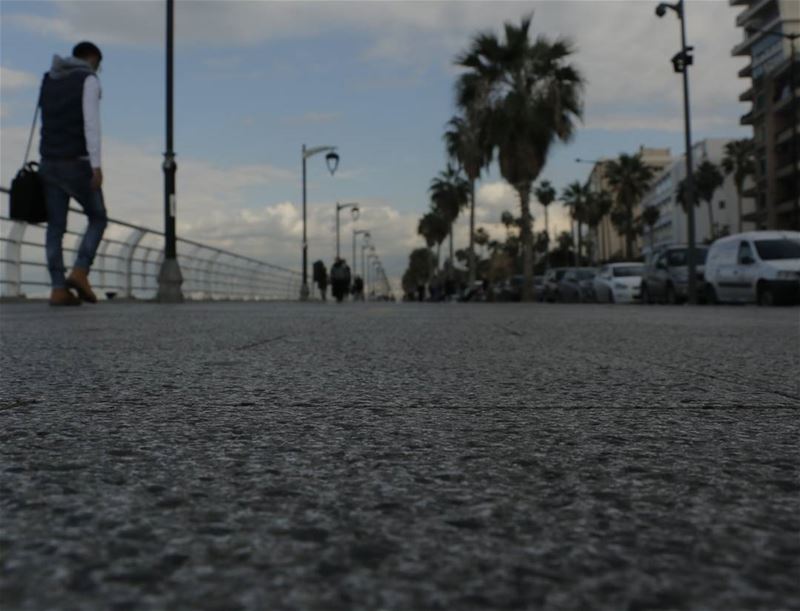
<point x="551" y="280"/>
<point x="571" y="286"/>
<point x="666" y="275"/>
<point x="619" y="283"/>
<point x="511" y="289"/>
<point x="754" y="267"/>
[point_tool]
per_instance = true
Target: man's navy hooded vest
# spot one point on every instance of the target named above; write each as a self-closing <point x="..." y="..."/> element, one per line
<point x="61" y="100"/>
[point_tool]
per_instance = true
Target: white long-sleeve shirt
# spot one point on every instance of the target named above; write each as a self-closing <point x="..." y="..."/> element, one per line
<point x="91" y="118"/>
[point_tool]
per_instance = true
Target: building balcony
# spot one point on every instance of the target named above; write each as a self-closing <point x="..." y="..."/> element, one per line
<point x="755" y="8"/>
<point x="787" y="170"/>
<point x="743" y="48"/>
<point x="747" y="96"/>
<point x="739" y="2"/>
<point x="784" y="137"/>
<point x="746" y="72"/>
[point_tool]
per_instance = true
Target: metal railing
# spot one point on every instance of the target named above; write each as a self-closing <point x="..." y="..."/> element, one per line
<point x="128" y="262"/>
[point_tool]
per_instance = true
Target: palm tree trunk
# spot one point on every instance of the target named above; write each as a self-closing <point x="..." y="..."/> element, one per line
<point x="526" y="236"/>
<point x="629" y="234"/>
<point x="572" y="233"/>
<point x="547" y="234"/>
<point x="710" y="220"/>
<point x="580" y="241"/>
<point x="452" y="262"/>
<point x="739" y="207"/>
<point x="472" y="266"/>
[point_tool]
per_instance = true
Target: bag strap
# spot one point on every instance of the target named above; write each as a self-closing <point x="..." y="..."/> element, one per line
<point x="33" y="125"/>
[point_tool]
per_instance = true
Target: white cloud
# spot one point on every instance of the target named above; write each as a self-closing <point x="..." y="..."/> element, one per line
<point x="623" y="48"/>
<point x="14" y="80"/>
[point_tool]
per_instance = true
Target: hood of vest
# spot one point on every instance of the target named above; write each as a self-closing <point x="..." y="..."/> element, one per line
<point x="65" y="66"/>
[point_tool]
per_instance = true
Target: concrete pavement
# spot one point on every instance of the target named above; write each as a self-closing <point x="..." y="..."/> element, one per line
<point x="279" y="456"/>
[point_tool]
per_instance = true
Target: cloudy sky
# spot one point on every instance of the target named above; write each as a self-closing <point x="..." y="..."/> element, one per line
<point x="257" y="79"/>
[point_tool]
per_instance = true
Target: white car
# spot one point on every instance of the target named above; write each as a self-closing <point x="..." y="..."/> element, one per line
<point x="754" y="267"/>
<point x="619" y="283"/>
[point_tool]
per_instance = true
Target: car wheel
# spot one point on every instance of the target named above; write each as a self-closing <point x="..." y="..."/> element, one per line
<point x="711" y="295"/>
<point x="610" y="296"/>
<point x="766" y="296"/>
<point x="672" y="298"/>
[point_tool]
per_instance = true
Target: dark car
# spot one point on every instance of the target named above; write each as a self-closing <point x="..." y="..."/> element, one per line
<point x="511" y="289"/>
<point x="551" y="279"/>
<point x="572" y="287"/>
<point x="666" y="275"/>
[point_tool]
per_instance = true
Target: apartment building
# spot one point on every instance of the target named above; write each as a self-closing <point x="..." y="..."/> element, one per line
<point x="769" y="28"/>
<point x="610" y="244"/>
<point x="672" y="225"/>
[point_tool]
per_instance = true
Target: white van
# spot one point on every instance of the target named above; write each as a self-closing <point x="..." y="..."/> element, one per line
<point x="756" y="266"/>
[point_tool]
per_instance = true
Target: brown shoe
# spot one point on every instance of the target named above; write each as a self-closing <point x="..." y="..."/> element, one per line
<point x="63" y="297"/>
<point x="79" y="280"/>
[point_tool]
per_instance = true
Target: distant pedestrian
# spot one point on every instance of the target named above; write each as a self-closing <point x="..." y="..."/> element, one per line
<point x="358" y="289"/>
<point x="421" y="292"/>
<point x="70" y="151"/>
<point x="340" y="279"/>
<point x="321" y="278"/>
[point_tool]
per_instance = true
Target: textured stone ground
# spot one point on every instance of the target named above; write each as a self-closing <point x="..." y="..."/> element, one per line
<point x="234" y="456"/>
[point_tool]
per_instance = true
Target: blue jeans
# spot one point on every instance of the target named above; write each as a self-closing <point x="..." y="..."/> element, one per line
<point x="64" y="179"/>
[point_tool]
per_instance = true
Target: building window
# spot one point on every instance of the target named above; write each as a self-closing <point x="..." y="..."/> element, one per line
<point x="722" y="204"/>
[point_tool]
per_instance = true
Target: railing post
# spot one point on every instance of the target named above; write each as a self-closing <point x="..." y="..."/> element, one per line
<point x="126" y="261"/>
<point x="12" y="266"/>
<point x="208" y="273"/>
<point x="101" y="268"/>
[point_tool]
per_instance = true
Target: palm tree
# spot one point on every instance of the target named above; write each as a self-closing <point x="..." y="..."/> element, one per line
<point x="575" y="197"/>
<point x="630" y="178"/>
<point x="508" y="221"/>
<point x="740" y="161"/>
<point x="546" y="195"/>
<point x="449" y="194"/>
<point x="528" y="96"/>
<point x="466" y="144"/>
<point x="650" y="216"/>
<point x="707" y="179"/>
<point x="481" y="238"/>
<point x="598" y="205"/>
<point x="433" y="227"/>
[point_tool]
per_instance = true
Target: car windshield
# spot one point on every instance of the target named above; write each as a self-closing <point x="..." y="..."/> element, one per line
<point x="585" y="274"/>
<point x="624" y="272"/>
<point x="560" y="274"/>
<point x="770" y="250"/>
<point x="677" y="258"/>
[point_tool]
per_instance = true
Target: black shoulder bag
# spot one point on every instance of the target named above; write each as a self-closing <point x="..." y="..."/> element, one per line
<point x="27" y="201"/>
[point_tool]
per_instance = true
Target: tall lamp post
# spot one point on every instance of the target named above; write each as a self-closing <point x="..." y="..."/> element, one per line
<point x="357" y="232"/>
<point x="332" y="159"/>
<point x="372" y="260"/>
<point x="364" y="247"/>
<point x="354" y="210"/>
<point x="681" y="62"/>
<point x="170" y="278"/>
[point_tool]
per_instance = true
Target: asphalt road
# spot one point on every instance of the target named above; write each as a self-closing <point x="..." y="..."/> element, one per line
<point x="278" y="456"/>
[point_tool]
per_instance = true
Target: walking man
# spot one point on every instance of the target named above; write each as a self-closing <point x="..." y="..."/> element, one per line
<point x="70" y="151"/>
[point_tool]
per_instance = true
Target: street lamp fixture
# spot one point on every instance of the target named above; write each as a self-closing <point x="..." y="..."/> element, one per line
<point x="332" y="159"/>
<point x="354" y="210"/>
<point x="680" y="63"/>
